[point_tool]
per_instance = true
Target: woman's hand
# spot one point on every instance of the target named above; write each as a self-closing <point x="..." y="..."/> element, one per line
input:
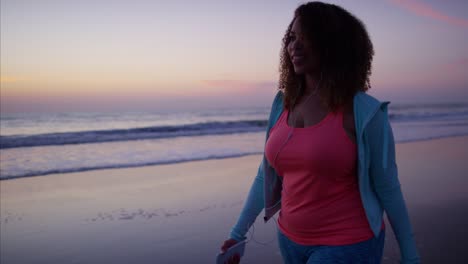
<point x="226" y="245"/>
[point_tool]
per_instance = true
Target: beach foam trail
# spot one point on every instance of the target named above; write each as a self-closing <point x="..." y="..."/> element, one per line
<point x="42" y="144"/>
<point x="153" y="132"/>
<point x="29" y="130"/>
<point x="44" y="160"/>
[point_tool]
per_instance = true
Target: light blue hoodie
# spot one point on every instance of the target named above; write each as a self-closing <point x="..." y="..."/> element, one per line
<point x="377" y="172"/>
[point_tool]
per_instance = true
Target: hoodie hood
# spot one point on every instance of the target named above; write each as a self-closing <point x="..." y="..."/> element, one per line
<point x="365" y="108"/>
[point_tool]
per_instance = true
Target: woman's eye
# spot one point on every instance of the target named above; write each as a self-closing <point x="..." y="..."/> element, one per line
<point x="291" y="37"/>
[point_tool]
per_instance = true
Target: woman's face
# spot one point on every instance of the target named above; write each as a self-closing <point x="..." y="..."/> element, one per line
<point x="301" y="52"/>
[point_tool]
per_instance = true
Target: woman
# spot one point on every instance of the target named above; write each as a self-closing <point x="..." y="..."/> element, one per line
<point x="329" y="161"/>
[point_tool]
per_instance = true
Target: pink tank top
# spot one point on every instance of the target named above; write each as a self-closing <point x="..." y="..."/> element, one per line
<point x="321" y="203"/>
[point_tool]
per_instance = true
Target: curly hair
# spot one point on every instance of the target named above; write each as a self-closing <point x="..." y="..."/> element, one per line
<point x="345" y="55"/>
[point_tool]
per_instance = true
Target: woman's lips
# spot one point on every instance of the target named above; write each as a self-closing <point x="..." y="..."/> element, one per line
<point x="297" y="59"/>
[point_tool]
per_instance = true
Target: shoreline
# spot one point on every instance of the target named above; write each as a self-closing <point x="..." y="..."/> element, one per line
<point x="187" y="161"/>
<point x="149" y="214"/>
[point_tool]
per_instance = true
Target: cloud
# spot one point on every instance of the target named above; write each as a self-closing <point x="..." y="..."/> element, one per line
<point x="425" y="10"/>
<point x="456" y="65"/>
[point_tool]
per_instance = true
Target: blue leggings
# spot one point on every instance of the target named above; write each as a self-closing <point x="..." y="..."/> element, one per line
<point x="365" y="252"/>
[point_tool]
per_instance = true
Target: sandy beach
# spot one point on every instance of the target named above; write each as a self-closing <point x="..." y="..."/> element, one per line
<point x="181" y="213"/>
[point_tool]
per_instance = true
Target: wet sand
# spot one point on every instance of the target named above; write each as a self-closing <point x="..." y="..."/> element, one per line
<point x="181" y="213"/>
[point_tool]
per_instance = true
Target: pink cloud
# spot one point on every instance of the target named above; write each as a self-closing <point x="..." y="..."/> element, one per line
<point x="423" y="9"/>
<point x="455" y="65"/>
<point x="451" y="73"/>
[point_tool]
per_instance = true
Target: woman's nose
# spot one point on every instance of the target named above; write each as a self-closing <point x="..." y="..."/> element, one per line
<point x="296" y="43"/>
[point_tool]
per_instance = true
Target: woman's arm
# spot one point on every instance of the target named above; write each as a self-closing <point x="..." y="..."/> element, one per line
<point x="252" y="207"/>
<point x="387" y="186"/>
<point x="255" y="199"/>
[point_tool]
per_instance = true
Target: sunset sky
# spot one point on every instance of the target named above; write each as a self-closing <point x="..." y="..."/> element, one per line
<point x="68" y="55"/>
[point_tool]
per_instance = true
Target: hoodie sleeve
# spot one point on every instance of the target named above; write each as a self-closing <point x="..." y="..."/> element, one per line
<point x="252" y="207"/>
<point x="384" y="176"/>
<point x="255" y="200"/>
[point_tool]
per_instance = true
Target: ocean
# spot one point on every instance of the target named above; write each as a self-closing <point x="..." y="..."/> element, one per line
<point x="34" y="144"/>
